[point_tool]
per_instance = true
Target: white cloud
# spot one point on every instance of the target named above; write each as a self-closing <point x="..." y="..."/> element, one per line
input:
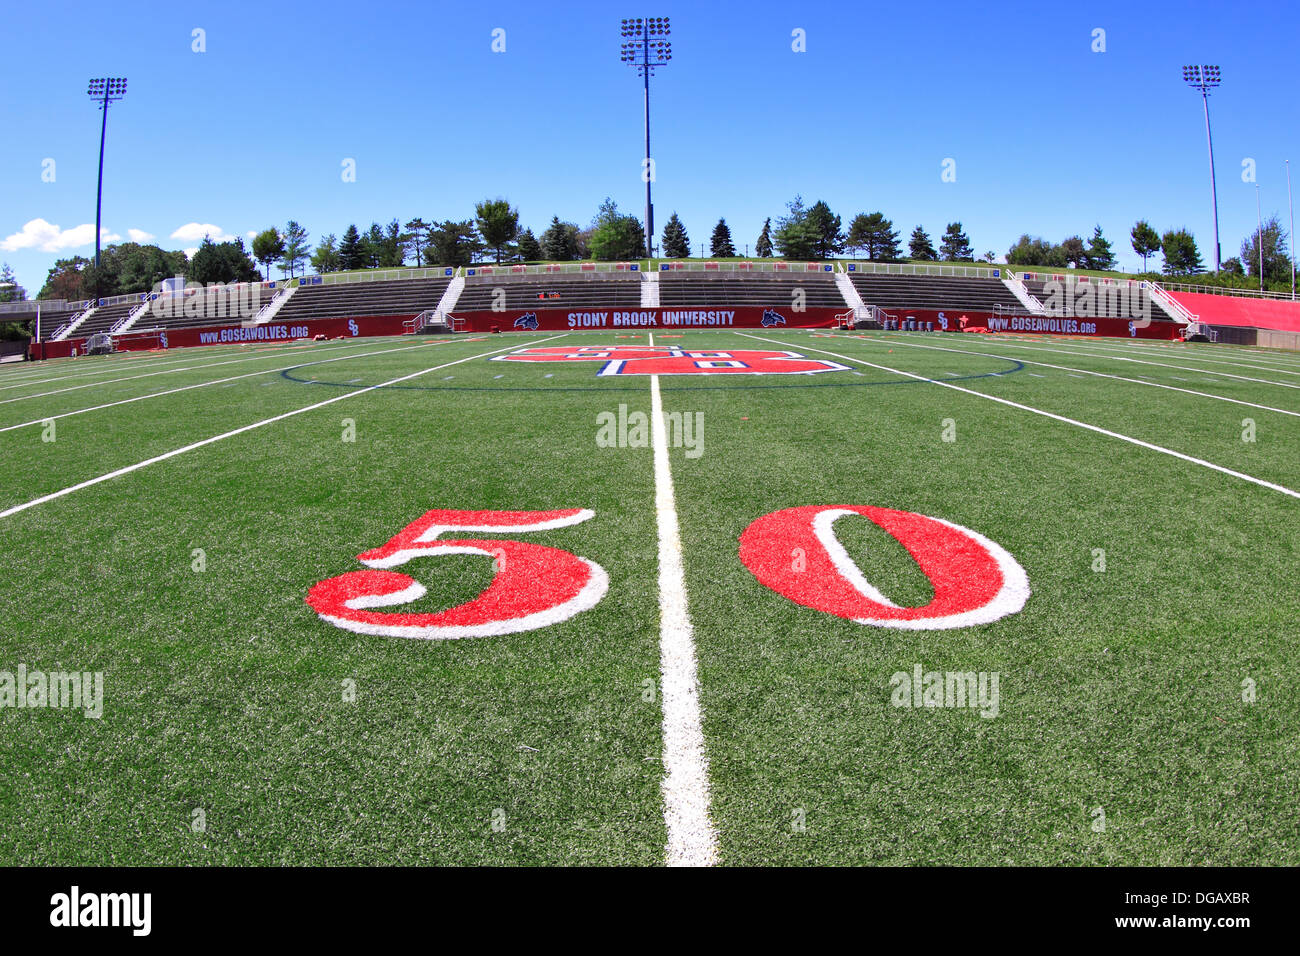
<point x="139" y="235"/>
<point x="39" y="234"/>
<point x="251" y="234"/>
<point x="189" y="253"/>
<point x="195" y="231"/>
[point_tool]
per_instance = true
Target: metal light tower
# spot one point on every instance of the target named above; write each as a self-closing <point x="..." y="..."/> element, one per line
<point x="643" y="48"/>
<point x="105" y="90"/>
<point x="1291" y="208"/>
<point x="1205" y="78"/>
<point x="1259" y="237"/>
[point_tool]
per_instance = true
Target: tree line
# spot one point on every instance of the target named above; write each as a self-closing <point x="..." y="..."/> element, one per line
<point x="805" y="232"/>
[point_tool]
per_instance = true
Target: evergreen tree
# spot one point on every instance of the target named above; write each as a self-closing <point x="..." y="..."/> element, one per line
<point x="352" y="254"/>
<point x="373" y="244"/>
<point x="1277" y="262"/>
<point x="920" y="247"/>
<point x="720" y="246"/>
<point x="326" y="257"/>
<point x="956" y="245"/>
<point x="827" y="240"/>
<point x="795" y="235"/>
<point x="763" y="248"/>
<point x="528" y="249"/>
<point x="875" y="235"/>
<point x="560" y="241"/>
<point x="296" y="249"/>
<point x="1099" y="255"/>
<point x="677" y="245"/>
<point x="414" y="237"/>
<point x="454" y="243"/>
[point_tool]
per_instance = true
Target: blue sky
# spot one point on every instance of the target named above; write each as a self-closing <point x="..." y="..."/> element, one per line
<point x="1048" y="136"/>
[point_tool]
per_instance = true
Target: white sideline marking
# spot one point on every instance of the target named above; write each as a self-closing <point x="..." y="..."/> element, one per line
<point x="159" y="361"/>
<point x="1117" y="378"/>
<point x="246" y="428"/>
<point x="129" y="378"/>
<point x="233" y="380"/>
<point x="1124" y="358"/>
<point x="1060" y="418"/>
<point x="692" y="840"/>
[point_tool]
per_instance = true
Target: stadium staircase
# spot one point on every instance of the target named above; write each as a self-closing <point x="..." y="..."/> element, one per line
<point x="278" y="301"/>
<point x="72" y="326"/>
<point x="1027" y="299"/>
<point x="126" y="324"/>
<point x="650" y="290"/>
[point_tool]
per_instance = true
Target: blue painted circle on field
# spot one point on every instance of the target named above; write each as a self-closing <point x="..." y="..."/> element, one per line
<point x="635" y="386"/>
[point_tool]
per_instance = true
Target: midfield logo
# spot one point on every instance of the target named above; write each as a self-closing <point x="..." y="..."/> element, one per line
<point x="677" y="360"/>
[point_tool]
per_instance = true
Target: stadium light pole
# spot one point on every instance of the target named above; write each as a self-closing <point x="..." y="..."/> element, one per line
<point x="644" y="48"/>
<point x="1259" y="237"/>
<point x="104" y="90"/>
<point x="1291" y="208"/>
<point x="1204" y="78"/>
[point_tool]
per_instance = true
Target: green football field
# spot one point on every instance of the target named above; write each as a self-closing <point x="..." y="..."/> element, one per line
<point x="165" y="516"/>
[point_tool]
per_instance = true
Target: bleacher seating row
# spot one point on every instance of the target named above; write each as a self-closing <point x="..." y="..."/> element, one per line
<point x="706" y="289"/>
<point x="1109" y="300"/>
<point x="934" y="292"/>
<point x="623" y="289"/>
<point x="614" y="290"/>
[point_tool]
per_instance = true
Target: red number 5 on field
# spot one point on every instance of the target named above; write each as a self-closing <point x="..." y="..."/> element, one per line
<point x="534" y="585"/>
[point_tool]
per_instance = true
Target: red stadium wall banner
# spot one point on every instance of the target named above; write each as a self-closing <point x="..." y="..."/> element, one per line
<point x="572" y="320"/>
<point x="555" y="320"/>
<point x="956" y="320"/>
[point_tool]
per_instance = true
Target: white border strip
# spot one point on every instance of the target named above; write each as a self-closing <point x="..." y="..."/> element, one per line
<point x="219" y="381"/>
<point x="1060" y="418"/>
<point x="1118" y="378"/>
<point x="239" y="431"/>
<point x="692" y="839"/>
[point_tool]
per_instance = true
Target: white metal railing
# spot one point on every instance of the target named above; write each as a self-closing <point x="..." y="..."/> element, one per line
<point x="779" y="266"/>
<point x="1226" y="290"/>
<point x="374" y="275"/>
<point x="265" y="310"/>
<point x="130" y="318"/>
<point x="918" y="269"/>
<point x="1070" y="277"/>
<point x="554" y="268"/>
<point x="1171" y="305"/>
<point x="846" y="320"/>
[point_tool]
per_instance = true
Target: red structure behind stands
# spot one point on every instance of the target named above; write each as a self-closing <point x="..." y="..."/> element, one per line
<point x="1241" y="311"/>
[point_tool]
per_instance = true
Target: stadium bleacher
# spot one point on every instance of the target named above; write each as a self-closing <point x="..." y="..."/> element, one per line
<point x="616" y="290"/>
<point x="1109" y="300"/>
<point x="344" y="299"/>
<point x="934" y="292"/>
<point x="711" y="289"/>
<point x="105" y="317"/>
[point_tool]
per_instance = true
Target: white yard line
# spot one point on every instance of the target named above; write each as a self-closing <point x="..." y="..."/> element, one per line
<point x="692" y="839"/>
<point x="122" y="365"/>
<point x="1060" y="418"/>
<point x="1123" y="358"/>
<point x="129" y="378"/>
<point x="1130" y="347"/>
<point x="1118" y="378"/>
<point x="248" y="428"/>
<point x="232" y="380"/>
